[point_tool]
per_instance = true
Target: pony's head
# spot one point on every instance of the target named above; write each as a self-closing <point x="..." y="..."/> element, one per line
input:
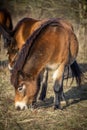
<point x="25" y="92"/>
<point x="9" y="44"/>
<point x="7" y="36"/>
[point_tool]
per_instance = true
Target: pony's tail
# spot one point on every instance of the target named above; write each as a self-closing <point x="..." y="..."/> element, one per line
<point x="76" y="72"/>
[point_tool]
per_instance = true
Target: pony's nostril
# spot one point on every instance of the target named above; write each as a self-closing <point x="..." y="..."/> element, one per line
<point x="18" y="108"/>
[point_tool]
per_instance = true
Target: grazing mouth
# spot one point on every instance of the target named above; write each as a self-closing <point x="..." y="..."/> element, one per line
<point x="21" y="106"/>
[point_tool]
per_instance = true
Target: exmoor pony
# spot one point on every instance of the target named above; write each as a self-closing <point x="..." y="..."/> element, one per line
<point x="51" y="46"/>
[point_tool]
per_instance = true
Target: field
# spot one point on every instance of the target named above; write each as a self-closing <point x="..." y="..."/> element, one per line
<point x="44" y="117"/>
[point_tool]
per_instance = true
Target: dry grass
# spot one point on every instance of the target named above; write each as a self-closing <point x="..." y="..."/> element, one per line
<point x="72" y="117"/>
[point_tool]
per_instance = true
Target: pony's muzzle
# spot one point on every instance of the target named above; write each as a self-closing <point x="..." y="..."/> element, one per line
<point x="20" y="106"/>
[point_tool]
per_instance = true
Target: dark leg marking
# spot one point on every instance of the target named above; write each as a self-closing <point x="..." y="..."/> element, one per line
<point x="44" y="85"/>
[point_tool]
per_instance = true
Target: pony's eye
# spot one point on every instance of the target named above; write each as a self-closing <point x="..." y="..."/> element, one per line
<point x="21" y="88"/>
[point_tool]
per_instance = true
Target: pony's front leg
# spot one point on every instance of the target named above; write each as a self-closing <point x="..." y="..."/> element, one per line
<point x="41" y="84"/>
<point x="44" y="84"/>
<point x="58" y="86"/>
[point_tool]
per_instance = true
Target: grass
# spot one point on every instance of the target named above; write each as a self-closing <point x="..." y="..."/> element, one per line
<point x="72" y="117"/>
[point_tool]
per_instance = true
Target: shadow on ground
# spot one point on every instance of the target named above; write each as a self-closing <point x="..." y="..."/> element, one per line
<point x="72" y="96"/>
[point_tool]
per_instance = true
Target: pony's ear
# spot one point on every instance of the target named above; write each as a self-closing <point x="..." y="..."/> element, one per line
<point x="21" y="75"/>
<point x="25" y="76"/>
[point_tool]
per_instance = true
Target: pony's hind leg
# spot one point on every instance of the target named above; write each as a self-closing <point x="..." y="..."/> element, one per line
<point x="58" y="86"/>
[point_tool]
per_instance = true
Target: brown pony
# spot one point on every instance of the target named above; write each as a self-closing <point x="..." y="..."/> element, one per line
<point x="17" y="37"/>
<point x="5" y="19"/>
<point x="50" y="46"/>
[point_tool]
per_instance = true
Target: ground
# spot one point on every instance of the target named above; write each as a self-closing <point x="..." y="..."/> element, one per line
<point x="44" y="117"/>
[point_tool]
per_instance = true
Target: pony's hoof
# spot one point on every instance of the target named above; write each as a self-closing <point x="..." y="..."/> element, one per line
<point x="57" y="107"/>
<point x="41" y="98"/>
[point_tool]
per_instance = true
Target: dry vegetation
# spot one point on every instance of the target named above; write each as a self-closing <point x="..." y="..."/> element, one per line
<point x="74" y="115"/>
